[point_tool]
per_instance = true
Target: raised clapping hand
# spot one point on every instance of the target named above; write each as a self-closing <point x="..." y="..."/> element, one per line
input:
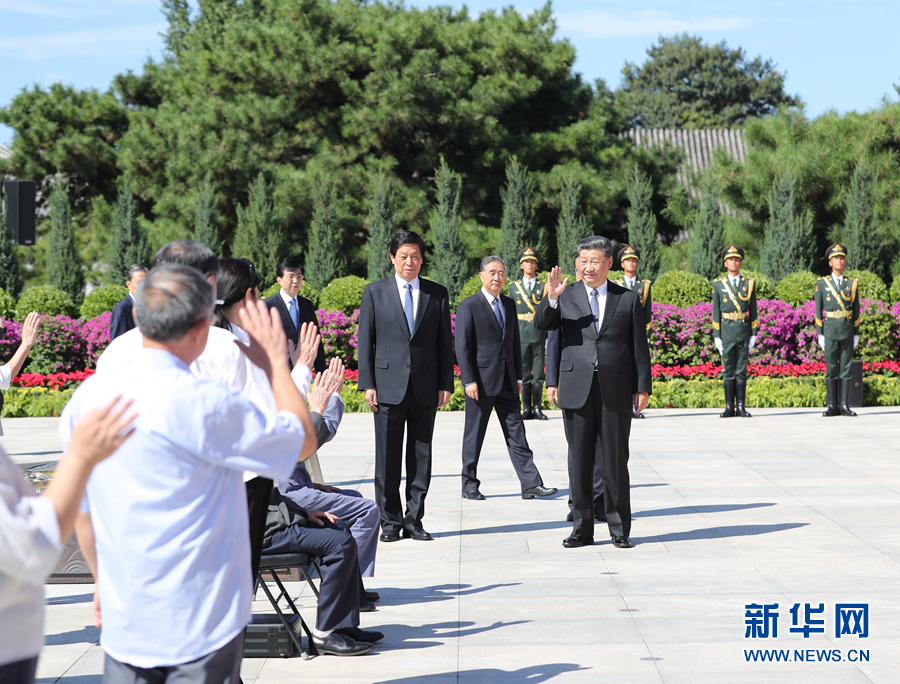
<point x="30" y="329"/>
<point x="268" y="344"/>
<point x="304" y="353"/>
<point x="555" y="287"/>
<point x="327" y="383"/>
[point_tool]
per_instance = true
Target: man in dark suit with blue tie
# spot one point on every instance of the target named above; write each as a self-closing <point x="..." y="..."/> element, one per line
<point x="489" y="354"/>
<point x="294" y="309"/>
<point x="122" y="319"/>
<point x="604" y="366"/>
<point x="406" y="371"/>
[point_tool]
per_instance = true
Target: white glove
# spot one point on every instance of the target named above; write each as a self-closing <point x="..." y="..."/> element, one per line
<point x="752" y="341"/>
<point x="855" y="341"/>
<point x="719" y="345"/>
<point x="822" y="342"/>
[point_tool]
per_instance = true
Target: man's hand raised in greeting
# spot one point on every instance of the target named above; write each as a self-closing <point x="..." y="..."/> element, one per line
<point x="556" y="283"/>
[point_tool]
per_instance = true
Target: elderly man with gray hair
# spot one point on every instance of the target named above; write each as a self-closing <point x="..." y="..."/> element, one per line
<point x="169" y="515"/>
<point x="490" y="364"/>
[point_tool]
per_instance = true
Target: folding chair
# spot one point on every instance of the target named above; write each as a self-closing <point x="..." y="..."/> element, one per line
<point x="273" y="562"/>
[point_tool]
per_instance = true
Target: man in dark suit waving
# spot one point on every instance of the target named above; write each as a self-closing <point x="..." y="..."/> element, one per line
<point x="406" y="370"/>
<point x="490" y="362"/>
<point x="294" y="309"/>
<point x="604" y="366"/>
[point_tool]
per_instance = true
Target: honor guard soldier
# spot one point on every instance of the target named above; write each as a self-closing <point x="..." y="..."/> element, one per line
<point x="734" y="329"/>
<point x="837" y="324"/>
<point x="629" y="258"/>
<point x="527" y="294"/>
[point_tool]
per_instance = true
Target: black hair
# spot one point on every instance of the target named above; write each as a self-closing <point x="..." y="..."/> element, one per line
<point x="407" y="237"/>
<point x="288" y="265"/>
<point x="236" y="276"/>
<point x="188" y="253"/>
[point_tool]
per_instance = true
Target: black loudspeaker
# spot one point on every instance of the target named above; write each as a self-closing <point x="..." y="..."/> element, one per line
<point x="20" y="210"/>
<point x="856" y="383"/>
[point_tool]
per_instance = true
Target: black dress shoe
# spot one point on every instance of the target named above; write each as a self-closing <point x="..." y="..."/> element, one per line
<point x="570" y="517"/>
<point x="372" y="596"/>
<point x="575" y="542"/>
<point x="340" y="645"/>
<point x="635" y="414"/>
<point x="390" y="536"/>
<point x="357" y="634"/>
<point x="622" y="542"/>
<point x="540" y="490"/>
<point x="473" y="494"/>
<point x="416" y="533"/>
<point x="367" y="608"/>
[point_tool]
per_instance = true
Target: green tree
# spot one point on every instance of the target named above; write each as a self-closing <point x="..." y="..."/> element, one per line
<point x="382" y="227"/>
<point x="518" y="227"/>
<point x="572" y="225"/>
<point x="64" y="268"/>
<point x="642" y="231"/>
<point x="324" y="256"/>
<point x="10" y="275"/>
<point x="260" y="234"/>
<point x="129" y="244"/>
<point x="861" y="232"/>
<point x="789" y="240"/>
<point x="204" y="226"/>
<point x="707" y="236"/>
<point x="688" y="84"/>
<point x="448" y="261"/>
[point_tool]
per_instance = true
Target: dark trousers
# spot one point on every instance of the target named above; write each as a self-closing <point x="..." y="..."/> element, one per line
<point x="391" y="421"/>
<point x="735" y="355"/>
<point x="533" y="363"/>
<point x="222" y="666"/>
<point x="341" y="589"/>
<point x="583" y="426"/>
<point x="598" y="479"/>
<point x="259" y="490"/>
<point x="838" y="357"/>
<point x="20" y="671"/>
<point x="478" y="413"/>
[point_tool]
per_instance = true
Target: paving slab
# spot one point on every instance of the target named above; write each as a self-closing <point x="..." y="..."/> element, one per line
<point x="786" y="508"/>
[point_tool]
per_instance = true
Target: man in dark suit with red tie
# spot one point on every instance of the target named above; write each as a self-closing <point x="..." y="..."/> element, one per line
<point x="294" y="309"/>
<point x="489" y="354"/>
<point x="604" y="366"/>
<point x="406" y="371"/>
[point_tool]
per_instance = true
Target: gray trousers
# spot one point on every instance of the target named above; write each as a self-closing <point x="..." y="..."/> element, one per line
<point x="222" y="666"/>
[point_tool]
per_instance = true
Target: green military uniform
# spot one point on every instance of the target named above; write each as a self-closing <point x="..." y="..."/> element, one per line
<point x="837" y="320"/>
<point x="642" y="287"/>
<point x="527" y="297"/>
<point x="734" y="323"/>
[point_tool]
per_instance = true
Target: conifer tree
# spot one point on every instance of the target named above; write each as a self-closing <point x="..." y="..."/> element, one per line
<point x="324" y="255"/>
<point x="204" y="228"/>
<point x="382" y="227"/>
<point x="10" y="275"/>
<point x="63" y="263"/>
<point x="860" y="233"/>
<point x="518" y="226"/>
<point x="129" y="244"/>
<point x="448" y="262"/>
<point x="789" y="242"/>
<point x="642" y="233"/>
<point x="572" y="225"/>
<point x="707" y="235"/>
<point x="260" y="235"/>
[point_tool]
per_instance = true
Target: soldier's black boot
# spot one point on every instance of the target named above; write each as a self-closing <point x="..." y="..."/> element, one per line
<point x="741" y="398"/>
<point x="845" y="399"/>
<point x="634" y="413"/>
<point x="831" y="387"/>
<point x="729" y="400"/>
<point x="538" y="390"/>
<point x="527" y="413"/>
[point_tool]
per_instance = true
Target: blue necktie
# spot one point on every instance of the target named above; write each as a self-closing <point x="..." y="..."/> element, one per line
<point x="295" y="314"/>
<point x="498" y="313"/>
<point x="408" y="307"/>
<point x="595" y="308"/>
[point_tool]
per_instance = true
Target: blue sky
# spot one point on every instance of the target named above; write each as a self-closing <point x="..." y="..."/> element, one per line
<point x="837" y="55"/>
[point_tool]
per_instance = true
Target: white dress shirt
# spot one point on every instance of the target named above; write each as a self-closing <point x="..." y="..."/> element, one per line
<point x="838" y="279"/>
<point x="29" y="550"/>
<point x="601" y="299"/>
<point x="169" y="508"/>
<point x="529" y="283"/>
<point x="490" y="300"/>
<point x="629" y="282"/>
<point x="401" y="286"/>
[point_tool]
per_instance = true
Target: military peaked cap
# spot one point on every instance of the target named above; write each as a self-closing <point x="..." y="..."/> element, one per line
<point x="732" y="251"/>
<point x="529" y="253"/>
<point x="836" y="249"/>
<point x="629" y="252"/>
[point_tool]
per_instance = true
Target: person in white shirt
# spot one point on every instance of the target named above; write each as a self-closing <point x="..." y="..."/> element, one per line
<point x="29" y="336"/>
<point x="168" y="516"/>
<point x="33" y="530"/>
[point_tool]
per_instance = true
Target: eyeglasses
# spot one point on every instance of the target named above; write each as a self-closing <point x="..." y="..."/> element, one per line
<point x="292" y="276"/>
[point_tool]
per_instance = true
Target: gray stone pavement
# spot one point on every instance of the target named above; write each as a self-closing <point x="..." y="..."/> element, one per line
<point x="785" y="508"/>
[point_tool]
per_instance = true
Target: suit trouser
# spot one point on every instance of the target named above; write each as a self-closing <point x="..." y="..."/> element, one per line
<point x="359" y="513"/>
<point x="391" y="420"/>
<point x="583" y="426"/>
<point x="341" y="589"/>
<point x="259" y="490"/>
<point x="478" y="413"/>
<point x="838" y="359"/>
<point x="19" y="671"/>
<point x="598" y="472"/>
<point x="533" y="363"/>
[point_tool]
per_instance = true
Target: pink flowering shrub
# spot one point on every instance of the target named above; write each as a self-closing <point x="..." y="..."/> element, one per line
<point x="339" y="334"/>
<point x="96" y="336"/>
<point x="60" y="346"/>
<point x="682" y="337"/>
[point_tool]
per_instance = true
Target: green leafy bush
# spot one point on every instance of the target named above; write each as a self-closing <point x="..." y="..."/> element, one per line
<point x="343" y="294"/>
<point x="765" y="286"/>
<point x="306" y="290"/>
<point x="870" y="285"/>
<point x="101" y="300"/>
<point x="269" y="291"/>
<point x="881" y="391"/>
<point x="34" y="402"/>
<point x="895" y="291"/>
<point x="878" y="332"/>
<point x="472" y="286"/>
<point x="681" y="288"/>
<point x="797" y="288"/>
<point x="47" y="300"/>
<point x="7" y="306"/>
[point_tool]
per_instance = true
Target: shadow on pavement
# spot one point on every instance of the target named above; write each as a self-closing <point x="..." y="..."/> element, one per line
<point x="85" y="635"/>
<point x="442" y="592"/>
<point x="66" y="600"/>
<point x="708" y="508"/>
<point x="723" y="532"/>
<point x="410" y="636"/>
<point x="533" y="674"/>
<point x="518" y="527"/>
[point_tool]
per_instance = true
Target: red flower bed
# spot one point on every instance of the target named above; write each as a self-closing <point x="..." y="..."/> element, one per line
<point x="52" y="380"/>
<point x="790" y="370"/>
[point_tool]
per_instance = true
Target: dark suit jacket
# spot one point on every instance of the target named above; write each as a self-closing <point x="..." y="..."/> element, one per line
<point x="122" y="319"/>
<point x="620" y="348"/>
<point x="389" y="355"/>
<point x="484" y="354"/>
<point x="307" y="315"/>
